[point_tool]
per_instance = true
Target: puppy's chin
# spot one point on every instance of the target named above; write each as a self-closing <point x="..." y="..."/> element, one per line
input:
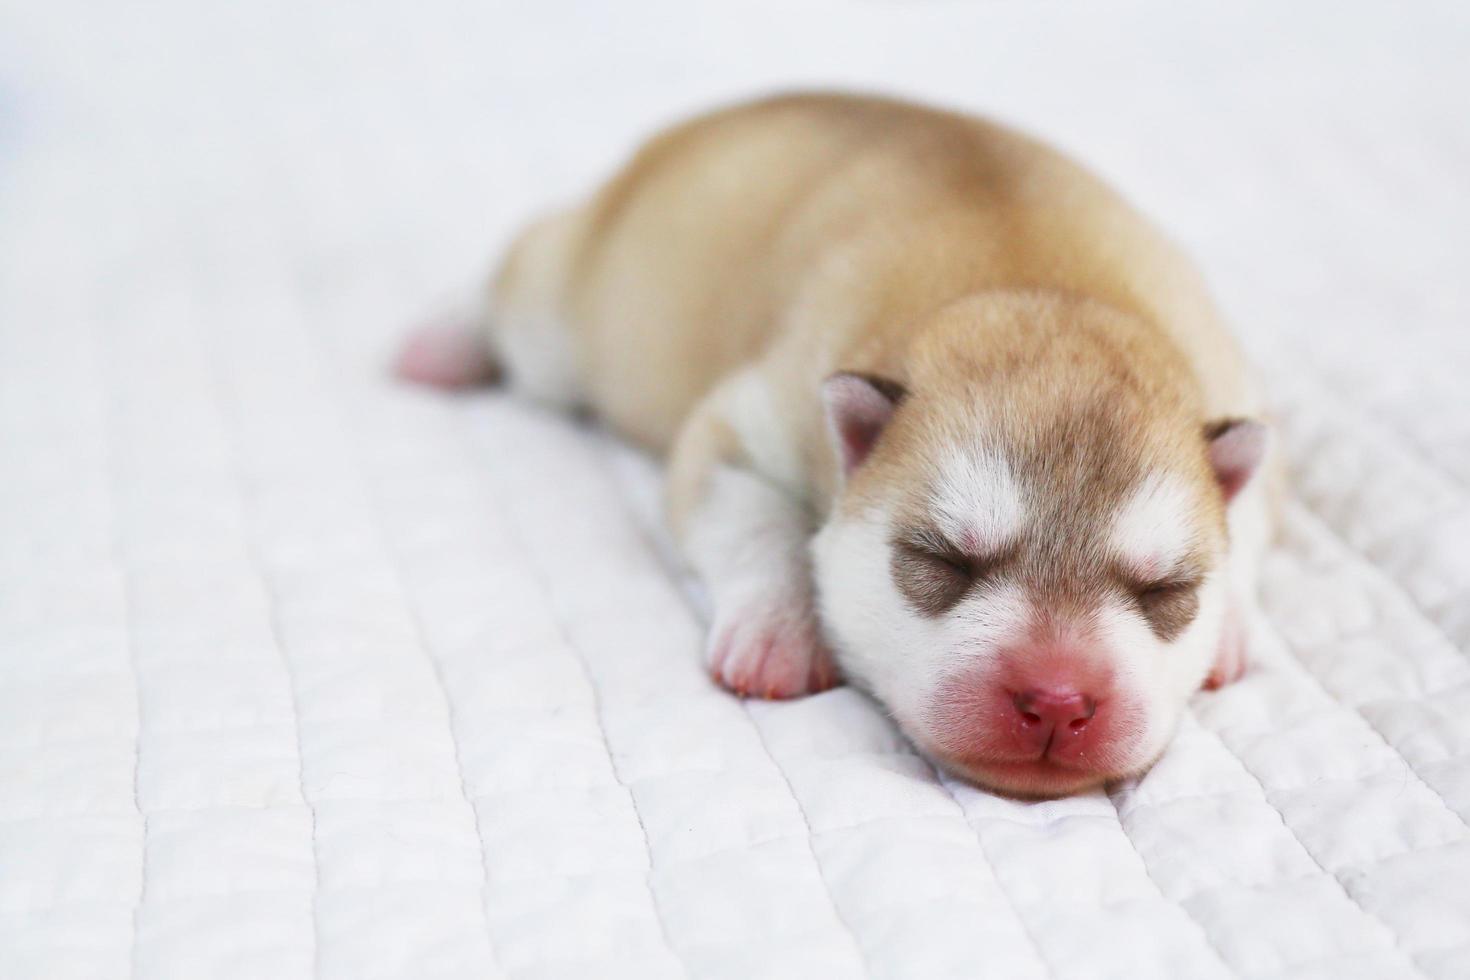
<point x="1035" y="780"/>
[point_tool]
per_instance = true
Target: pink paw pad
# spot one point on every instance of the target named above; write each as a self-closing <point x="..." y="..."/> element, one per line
<point x="770" y="656"/>
<point x="445" y="356"/>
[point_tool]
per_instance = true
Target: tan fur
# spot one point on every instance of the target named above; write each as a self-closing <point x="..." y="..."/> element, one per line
<point x="1081" y="399"/>
<point x="805" y="234"/>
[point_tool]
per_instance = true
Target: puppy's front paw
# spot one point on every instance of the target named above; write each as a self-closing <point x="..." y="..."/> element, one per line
<point x="770" y="649"/>
<point x="1230" y="658"/>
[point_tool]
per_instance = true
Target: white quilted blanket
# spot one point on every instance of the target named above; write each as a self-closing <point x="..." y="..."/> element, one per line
<point x="306" y="675"/>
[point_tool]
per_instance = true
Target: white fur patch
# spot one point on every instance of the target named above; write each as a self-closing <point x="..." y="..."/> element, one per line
<point x="1152" y="529"/>
<point x="977" y="502"/>
<point x="1003" y="615"/>
<point x="541" y="355"/>
<point x="746" y="402"/>
<point x="746" y="536"/>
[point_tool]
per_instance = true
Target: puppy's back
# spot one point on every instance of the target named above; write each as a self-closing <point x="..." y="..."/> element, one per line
<point x="851" y="216"/>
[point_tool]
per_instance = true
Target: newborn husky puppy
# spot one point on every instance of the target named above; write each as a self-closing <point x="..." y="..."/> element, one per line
<point x="944" y="416"/>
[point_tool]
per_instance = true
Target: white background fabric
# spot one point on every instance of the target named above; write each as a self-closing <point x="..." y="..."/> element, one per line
<point x="303" y="674"/>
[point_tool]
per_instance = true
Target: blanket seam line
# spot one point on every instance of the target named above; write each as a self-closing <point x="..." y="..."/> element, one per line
<point x="244" y="486"/>
<point x="117" y="544"/>
<point x="436" y="666"/>
<point x="1314" y="522"/>
<point x="534" y="567"/>
<point x="366" y="486"/>
<point x="1393" y="933"/>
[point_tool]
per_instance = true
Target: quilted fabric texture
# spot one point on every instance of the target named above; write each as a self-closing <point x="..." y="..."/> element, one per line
<point x="304" y="674"/>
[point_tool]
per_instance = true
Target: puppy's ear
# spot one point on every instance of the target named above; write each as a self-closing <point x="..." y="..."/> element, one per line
<point x="858" y="408"/>
<point x="1236" y="448"/>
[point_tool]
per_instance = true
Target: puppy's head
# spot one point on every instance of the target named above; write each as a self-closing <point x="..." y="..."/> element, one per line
<point x="1026" y="561"/>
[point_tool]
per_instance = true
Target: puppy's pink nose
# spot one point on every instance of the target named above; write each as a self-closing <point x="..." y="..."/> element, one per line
<point x="1059" y="711"/>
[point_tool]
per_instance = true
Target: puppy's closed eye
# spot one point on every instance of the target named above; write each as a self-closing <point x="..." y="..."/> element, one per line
<point x="931" y="573"/>
<point x="1168" y="606"/>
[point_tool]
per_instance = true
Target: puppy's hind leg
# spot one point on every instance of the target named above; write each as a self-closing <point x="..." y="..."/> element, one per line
<point x="514" y="328"/>
<point x="450" y="351"/>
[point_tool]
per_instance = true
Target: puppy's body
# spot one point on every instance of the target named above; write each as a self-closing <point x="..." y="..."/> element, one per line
<point x="844" y="217"/>
<point x="987" y="386"/>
